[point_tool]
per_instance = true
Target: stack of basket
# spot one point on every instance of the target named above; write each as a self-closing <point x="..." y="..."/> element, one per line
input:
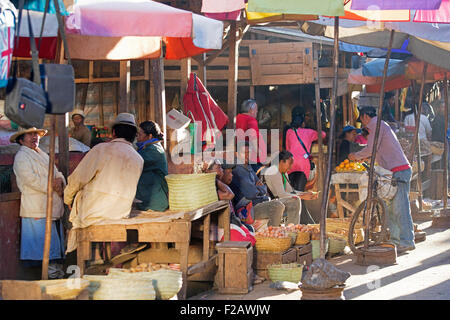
<point x="291" y="272"/>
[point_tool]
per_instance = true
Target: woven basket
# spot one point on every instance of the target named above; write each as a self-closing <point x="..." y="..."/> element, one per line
<point x="435" y="149"/>
<point x="191" y="191"/>
<point x="303" y="238"/>
<point x="291" y="272"/>
<point x="316" y="248"/>
<point x="273" y="244"/>
<point x="166" y="283"/>
<point x="109" y="288"/>
<point x="336" y="245"/>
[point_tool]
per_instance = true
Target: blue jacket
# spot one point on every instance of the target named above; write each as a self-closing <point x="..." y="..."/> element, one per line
<point x="244" y="185"/>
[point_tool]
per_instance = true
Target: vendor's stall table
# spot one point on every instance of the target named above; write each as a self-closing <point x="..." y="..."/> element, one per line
<point x="168" y="226"/>
<point x="346" y="182"/>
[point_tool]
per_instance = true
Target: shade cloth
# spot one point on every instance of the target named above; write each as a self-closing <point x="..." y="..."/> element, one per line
<point x="441" y="15"/>
<point x="375" y="68"/>
<point x="396" y="4"/>
<point x="214" y="6"/>
<point x="324" y="7"/>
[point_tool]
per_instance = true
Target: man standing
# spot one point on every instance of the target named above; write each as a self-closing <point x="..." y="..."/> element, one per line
<point x="438" y="131"/>
<point x="103" y="186"/>
<point x="80" y="132"/>
<point x="31" y="170"/>
<point x="247" y="129"/>
<point x="390" y="156"/>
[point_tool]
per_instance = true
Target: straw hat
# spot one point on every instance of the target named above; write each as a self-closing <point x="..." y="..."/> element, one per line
<point x="125" y="118"/>
<point x="41" y="132"/>
<point x="78" y="112"/>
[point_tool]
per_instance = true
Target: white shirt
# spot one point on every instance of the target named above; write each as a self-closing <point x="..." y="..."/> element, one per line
<point x="424" y="126"/>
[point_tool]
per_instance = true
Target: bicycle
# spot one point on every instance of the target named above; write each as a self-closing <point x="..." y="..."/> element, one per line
<point x="378" y="232"/>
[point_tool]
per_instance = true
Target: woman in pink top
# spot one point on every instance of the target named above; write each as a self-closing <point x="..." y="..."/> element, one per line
<point x="299" y="173"/>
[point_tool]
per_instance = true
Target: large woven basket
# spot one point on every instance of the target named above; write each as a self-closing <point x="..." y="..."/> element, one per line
<point x="316" y="248"/>
<point x="191" y="191"/>
<point x="291" y="272"/>
<point x="303" y="238"/>
<point x="109" y="288"/>
<point x="167" y="283"/>
<point x="293" y="236"/>
<point x="273" y="244"/>
<point x="336" y="245"/>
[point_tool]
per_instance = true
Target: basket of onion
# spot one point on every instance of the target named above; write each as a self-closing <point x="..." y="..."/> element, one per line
<point x="273" y="239"/>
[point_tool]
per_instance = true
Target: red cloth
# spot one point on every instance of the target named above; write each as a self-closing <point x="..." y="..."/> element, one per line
<point x="47" y="51"/>
<point x="201" y="107"/>
<point x="240" y="234"/>
<point x="250" y="131"/>
<point x="180" y="48"/>
<point x="401" y="168"/>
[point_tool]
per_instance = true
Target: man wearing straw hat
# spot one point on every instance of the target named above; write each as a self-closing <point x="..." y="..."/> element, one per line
<point x="80" y="132"/>
<point x="31" y="170"/>
<point x="103" y="185"/>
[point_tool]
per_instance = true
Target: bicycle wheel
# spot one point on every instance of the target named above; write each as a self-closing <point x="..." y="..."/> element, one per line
<point x="377" y="225"/>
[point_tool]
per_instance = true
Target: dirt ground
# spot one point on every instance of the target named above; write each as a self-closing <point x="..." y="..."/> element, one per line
<point x="421" y="274"/>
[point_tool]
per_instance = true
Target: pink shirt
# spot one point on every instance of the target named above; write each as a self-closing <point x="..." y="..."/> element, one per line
<point x="360" y="139"/>
<point x="294" y="146"/>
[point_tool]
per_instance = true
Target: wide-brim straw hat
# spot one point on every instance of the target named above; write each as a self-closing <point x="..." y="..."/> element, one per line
<point x="41" y="132"/>
<point x="78" y="112"/>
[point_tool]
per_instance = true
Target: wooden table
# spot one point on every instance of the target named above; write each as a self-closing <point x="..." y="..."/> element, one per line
<point x="346" y="183"/>
<point x="168" y="226"/>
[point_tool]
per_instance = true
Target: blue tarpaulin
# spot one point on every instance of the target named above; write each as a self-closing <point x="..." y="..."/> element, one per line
<point x="375" y="68"/>
<point x="39" y="5"/>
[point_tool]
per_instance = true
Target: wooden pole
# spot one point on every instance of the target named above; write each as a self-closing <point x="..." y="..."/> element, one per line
<point x="331" y="140"/>
<point x="375" y="143"/>
<point x="232" y="75"/>
<point x="416" y="142"/>
<point x="446" y="143"/>
<point x="48" y="218"/>
<point x="124" y="86"/>
<point x="185" y="67"/>
<point x="160" y="95"/>
<point x="319" y="121"/>
<point x="202" y="69"/>
<point x="397" y="105"/>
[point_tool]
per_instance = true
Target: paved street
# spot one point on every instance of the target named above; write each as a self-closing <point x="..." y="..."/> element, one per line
<point x="420" y="274"/>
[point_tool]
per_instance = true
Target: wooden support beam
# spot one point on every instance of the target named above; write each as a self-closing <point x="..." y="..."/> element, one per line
<point x="124" y="88"/>
<point x="184" y="75"/>
<point x="160" y="95"/>
<point x="232" y="75"/>
<point x="202" y="69"/>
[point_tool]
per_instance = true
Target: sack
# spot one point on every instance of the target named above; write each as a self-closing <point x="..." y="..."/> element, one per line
<point x="25" y="103"/>
<point x="58" y="81"/>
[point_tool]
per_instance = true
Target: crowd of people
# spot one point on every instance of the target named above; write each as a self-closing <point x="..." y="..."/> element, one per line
<point x="115" y="176"/>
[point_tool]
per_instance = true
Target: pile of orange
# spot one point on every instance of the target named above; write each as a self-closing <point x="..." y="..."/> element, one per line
<point x="350" y="166"/>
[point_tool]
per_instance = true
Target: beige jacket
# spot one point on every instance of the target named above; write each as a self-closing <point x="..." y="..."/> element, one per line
<point x="31" y="170"/>
<point x="274" y="181"/>
<point x="103" y="185"/>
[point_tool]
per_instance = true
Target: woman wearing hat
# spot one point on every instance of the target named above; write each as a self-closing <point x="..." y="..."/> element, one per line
<point x="348" y="144"/>
<point x="80" y="132"/>
<point x="152" y="187"/>
<point x="31" y="170"/>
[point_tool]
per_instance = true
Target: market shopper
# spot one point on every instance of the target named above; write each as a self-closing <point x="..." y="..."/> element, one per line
<point x="247" y="129"/>
<point x="31" y="170"/>
<point x="390" y="156"/>
<point x="424" y="125"/>
<point x="362" y="137"/>
<point x="348" y="144"/>
<point x="299" y="141"/>
<point x="103" y="186"/>
<point x="438" y="128"/>
<point x="248" y="188"/>
<point x="80" y="132"/>
<point x="152" y="187"/>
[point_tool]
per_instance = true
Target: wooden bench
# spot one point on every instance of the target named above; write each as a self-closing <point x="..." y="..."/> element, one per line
<point x="159" y="227"/>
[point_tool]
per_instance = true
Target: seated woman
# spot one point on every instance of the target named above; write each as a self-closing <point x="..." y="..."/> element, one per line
<point x="223" y="191"/>
<point x="152" y="187"/>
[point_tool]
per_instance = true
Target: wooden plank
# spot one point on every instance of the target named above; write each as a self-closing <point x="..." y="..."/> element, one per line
<point x="185" y="71"/>
<point x="232" y="75"/>
<point x="210" y="74"/>
<point x="281" y="69"/>
<point x="202" y="266"/>
<point x="216" y="83"/>
<point x="206" y="225"/>
<point x="163" y="231"/>
<point x="110" y="79"/>
<point x="170" y="255"/>
<point x="10" y="196"/>
<point x="184" y="250"/>
<point x="329" y="73"/>
<point x="160" y="95"/>
<point x="277" y="79"/>
<point x="280" y="58"/>
<point x="102" y="233"/>
<point x="217" y="62"/>
<point x="124" y="87"/>
<point x="246" y="43"/>
<point x="288" y="47"/>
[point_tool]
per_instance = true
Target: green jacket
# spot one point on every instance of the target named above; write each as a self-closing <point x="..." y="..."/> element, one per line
<point x="152" y="187"/>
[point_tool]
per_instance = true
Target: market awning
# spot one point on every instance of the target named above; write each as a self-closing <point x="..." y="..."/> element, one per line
<point x="324" y="7"/>
<point x="395" y="5"/>
<point x="441" y="15"/>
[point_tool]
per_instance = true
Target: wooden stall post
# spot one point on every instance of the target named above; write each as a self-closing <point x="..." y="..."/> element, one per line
<point x="202" y="69"/>
<point x="331" y="139"/>
<point x="319" y="119"/>
<point x="160" y="95"/>
<point x="48" y="220"/>
<point x="445" y="193"/>
<point x="124" y="86"/>
<point x="232" y="75"/>
<point x="184" y="76"/>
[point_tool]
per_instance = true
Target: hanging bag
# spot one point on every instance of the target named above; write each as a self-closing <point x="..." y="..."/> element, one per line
<point x="312" y="172"/>
<point x="26" y="101"/>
